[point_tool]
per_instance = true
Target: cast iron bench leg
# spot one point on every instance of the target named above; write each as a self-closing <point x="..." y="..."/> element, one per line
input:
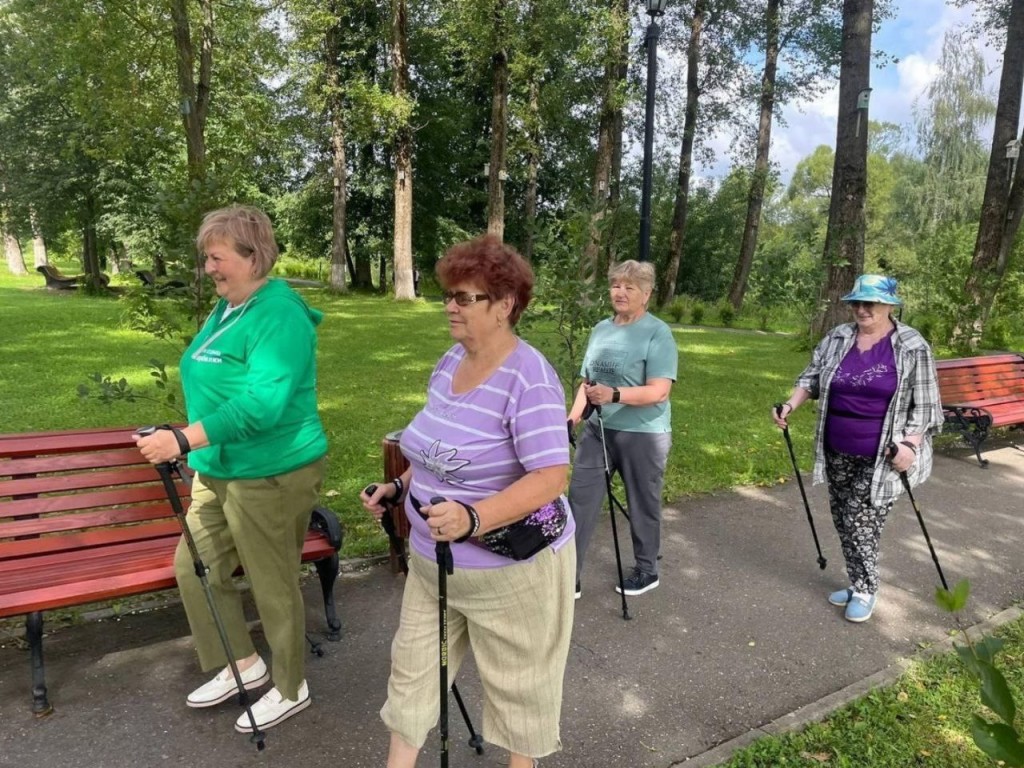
<point x="327" y="569"/>
<point x="34" y="631"/>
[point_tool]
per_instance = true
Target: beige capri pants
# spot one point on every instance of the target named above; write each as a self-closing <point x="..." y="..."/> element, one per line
<point x="517" y="620"/>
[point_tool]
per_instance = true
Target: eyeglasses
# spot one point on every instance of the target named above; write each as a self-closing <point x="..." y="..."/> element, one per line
<point x="462" y="298"/>
<point x="863" y="304"/>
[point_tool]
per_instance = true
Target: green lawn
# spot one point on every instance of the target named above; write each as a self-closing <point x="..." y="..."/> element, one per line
<point x="375" y="357"/>
<point x="921" y="720"/>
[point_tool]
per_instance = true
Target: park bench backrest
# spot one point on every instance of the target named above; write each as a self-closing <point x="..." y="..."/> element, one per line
<point x="981" y="381"/>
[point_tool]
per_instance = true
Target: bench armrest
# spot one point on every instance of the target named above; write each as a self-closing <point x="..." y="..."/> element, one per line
<point x="327" y="523"/>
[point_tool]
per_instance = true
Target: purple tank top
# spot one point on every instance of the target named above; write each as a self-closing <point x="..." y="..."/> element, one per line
<point x="859" y="396"/>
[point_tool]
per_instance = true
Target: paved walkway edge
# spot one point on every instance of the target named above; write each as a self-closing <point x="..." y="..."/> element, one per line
<point x="823" y="707"/>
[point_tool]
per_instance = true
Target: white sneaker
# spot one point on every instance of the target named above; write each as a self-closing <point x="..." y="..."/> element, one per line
<point x="223" y="686"/>
<point x="273" y="709"/>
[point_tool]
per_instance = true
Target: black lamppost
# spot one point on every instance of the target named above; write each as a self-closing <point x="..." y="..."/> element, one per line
<point x="655" y="8"/>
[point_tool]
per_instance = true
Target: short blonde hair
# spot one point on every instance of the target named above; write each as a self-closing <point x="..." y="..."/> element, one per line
<point x="640" y="273"/>
<point x="246" y="229"/>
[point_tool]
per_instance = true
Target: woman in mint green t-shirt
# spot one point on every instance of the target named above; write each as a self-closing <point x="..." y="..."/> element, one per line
<point x="256" y="444"/>
<point x="629" y="368"/>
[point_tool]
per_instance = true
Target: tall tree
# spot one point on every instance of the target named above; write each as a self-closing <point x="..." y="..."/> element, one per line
<point x="667" y="288"/>
<point x="499" y="121"/>
<point x="998" y="223"/>
<point x="194" y="84"/>
<point x="843" y="257"/>
<point x="608" y="157"/>
<point x="404" y="283"/>
<point x="339" y="169"/>
<point x="804" y="34"/>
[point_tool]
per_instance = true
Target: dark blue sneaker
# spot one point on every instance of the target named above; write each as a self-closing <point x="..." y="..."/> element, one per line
<point x="638" y="582"/>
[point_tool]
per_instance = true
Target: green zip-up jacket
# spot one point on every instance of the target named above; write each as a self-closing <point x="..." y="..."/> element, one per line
<point x="250" y="378"/>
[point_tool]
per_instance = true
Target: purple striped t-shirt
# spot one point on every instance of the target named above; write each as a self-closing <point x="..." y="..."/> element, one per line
<point x="469" y="446"/>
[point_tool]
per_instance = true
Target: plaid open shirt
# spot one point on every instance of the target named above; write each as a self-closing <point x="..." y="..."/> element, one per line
<point x="915" y="408"/>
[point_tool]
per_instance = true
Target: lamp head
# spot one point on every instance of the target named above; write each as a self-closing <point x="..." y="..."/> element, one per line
<point x="656" y="7"/>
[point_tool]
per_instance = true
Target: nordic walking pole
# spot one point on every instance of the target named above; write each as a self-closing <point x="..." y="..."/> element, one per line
<point x="445" y="566"/>
<point x="910" y="494"/>
<point x="612" y="501"/>
<point x="166" y="469"/>
<point x="475" y="740"/>
<point x="822" y="562"/>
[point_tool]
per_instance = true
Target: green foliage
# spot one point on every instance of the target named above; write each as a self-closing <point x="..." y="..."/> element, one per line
<point x="565" y="306"/>
<point x="108" y="391"/>
<point x="726" y="313"/>
<point x="677" y="309"/>
<point x="1000" y="741"/>
<point x="697" y="310"/>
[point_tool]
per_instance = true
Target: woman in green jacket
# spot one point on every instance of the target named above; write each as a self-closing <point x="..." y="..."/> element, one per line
<point x="257" y="446"/>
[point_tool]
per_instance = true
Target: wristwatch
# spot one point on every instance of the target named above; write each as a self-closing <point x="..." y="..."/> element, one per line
<point x="615" y="394"/>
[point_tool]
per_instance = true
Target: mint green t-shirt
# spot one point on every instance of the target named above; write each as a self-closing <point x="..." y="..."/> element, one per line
<point x="629" y="356"/>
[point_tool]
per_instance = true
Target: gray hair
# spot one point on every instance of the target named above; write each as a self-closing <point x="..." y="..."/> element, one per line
<point x="640" y="273"/>
<point x="244" y="228"/>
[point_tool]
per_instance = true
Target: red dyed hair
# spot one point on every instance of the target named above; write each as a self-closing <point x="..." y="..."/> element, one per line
<point x="495" y="267"/>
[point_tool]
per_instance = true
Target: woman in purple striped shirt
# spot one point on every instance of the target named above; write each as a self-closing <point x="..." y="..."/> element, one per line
<point x="491" y="440"/>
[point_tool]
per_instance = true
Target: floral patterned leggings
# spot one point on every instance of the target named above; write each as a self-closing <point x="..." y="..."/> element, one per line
<point x="858" y="522"/>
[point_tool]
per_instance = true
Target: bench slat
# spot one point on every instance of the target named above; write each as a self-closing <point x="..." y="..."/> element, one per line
<point x="70" y="542"/>
<point x="94" y="590"/>
<point x="50" y="504"/>
<point x="69" y="462"/>
<point x="22" y="446"/>
<point x="78" y="481"/>
<point x="974" y="362"/>
<point x="40" y="526"/>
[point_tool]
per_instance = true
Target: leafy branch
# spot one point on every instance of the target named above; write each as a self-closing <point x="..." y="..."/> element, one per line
<point x="999" y="740"/>
<point x="108" y="391"/>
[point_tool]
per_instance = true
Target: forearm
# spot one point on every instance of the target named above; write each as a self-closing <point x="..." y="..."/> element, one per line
<point x="578" y="405"/>
<point x="653" y="392"/>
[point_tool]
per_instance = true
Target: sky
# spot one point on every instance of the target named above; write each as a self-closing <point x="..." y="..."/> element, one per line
<point x="914" y="38"/>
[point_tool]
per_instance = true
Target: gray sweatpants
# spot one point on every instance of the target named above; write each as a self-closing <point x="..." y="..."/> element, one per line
<point x="639" y="458"/>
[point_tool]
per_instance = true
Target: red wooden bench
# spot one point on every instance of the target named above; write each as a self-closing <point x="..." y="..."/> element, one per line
<point x="83" y="518"/>
<point x="978" y="393"/>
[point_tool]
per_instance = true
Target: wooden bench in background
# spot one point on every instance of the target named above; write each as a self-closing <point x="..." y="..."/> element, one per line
<point x="83" y="518"/>
<point x="149" y="280"/>
<point x="979" y="393"/>
<point x="56" y="280"/>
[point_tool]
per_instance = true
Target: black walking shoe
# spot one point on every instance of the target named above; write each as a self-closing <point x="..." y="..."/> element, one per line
<point x="638" y="582"/>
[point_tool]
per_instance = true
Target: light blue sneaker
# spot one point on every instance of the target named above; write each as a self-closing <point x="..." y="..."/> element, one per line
<point x="841" y="597"/>
<point x="859" y="609"/>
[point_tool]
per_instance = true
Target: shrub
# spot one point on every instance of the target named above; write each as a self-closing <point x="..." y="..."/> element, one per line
<point x="677" y="309"/>
<point x="726" y="313"/>
<point x="697" y="312"/>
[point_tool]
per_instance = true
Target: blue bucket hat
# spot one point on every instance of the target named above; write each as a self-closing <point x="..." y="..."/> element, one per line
<point x="876" y="288"/>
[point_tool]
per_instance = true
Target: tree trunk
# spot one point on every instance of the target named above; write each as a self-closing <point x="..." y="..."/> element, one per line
<point x="532" y="164"/>
<point x="609" y="136"/>
<point x="755" y="198"/>
<point x="38" y="242"/>
<point x="195" y="94"/>
<point x="668" y="279"/>
<point x="15" y="258"/>
<point x="404" y="287"/>
<point x="984" y="276"/>
<point x="339" y="247"/>
<point x="90" y="246"/>
<point x="499" y="126"/>
<point x="843" y="256"/>
<point x="362" y="275"/>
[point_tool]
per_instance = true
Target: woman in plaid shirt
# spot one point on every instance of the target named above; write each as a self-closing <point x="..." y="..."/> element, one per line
<point x="877" y="384"/>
